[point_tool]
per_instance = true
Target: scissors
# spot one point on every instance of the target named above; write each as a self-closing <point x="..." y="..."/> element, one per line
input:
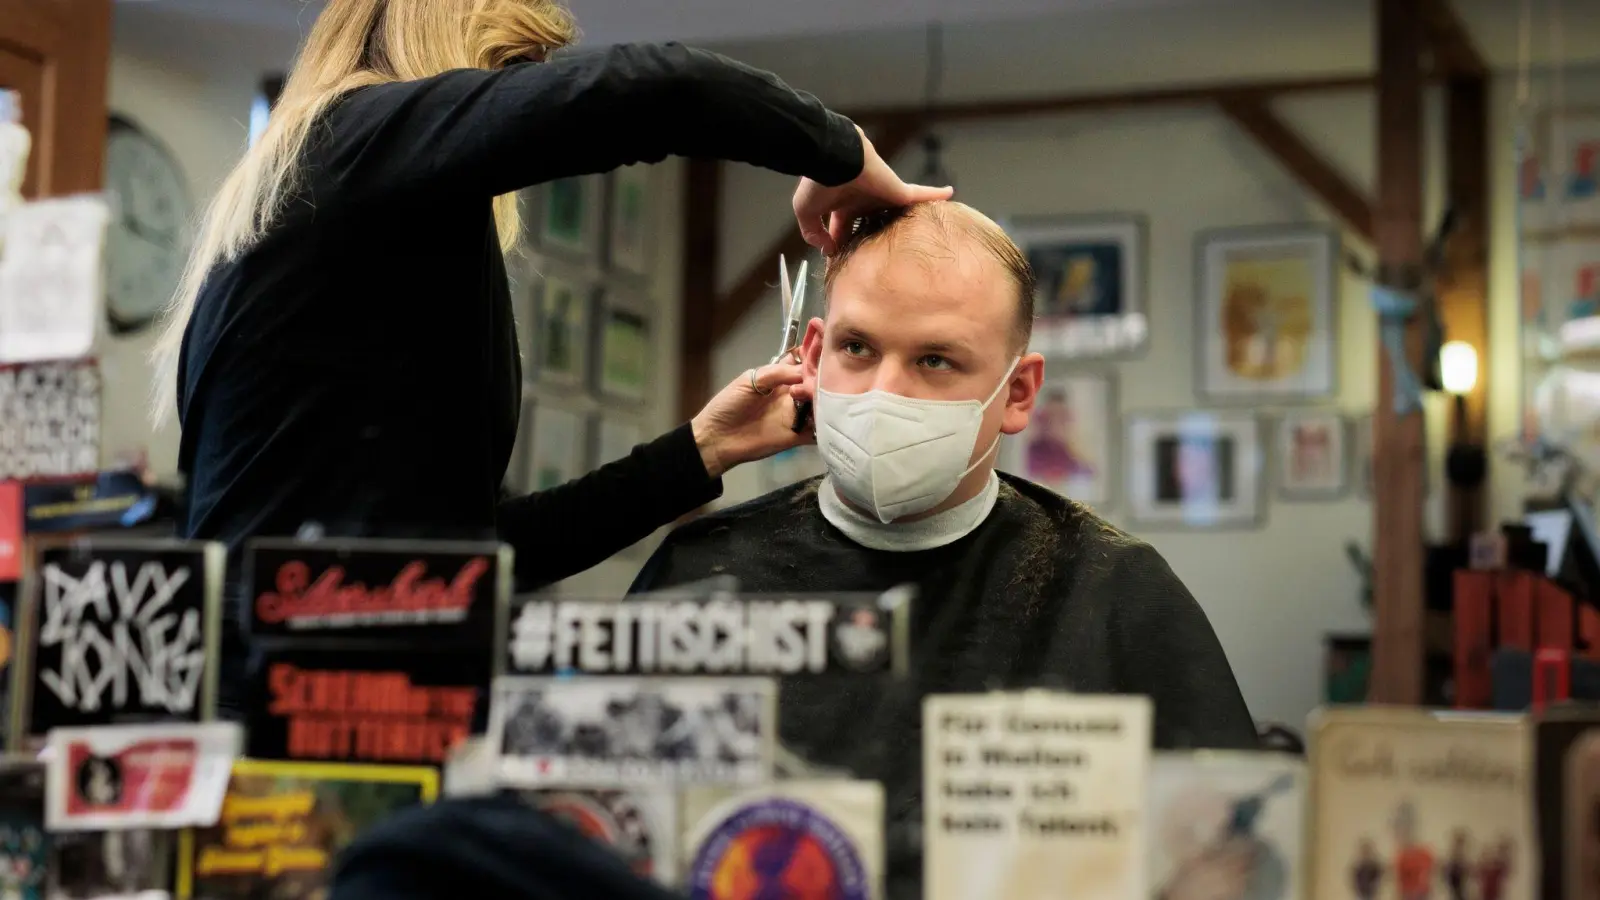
<point x="794" y="305"/>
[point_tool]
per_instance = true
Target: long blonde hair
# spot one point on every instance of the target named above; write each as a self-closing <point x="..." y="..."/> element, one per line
<point x="354" y="44"/>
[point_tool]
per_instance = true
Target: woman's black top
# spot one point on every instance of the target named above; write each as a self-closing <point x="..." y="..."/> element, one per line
<point x="359" y="368"/>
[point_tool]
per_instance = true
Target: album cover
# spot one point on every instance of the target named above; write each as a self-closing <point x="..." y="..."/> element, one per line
<point x="1556" y="729"/>
<point x="403" y="705"/>
<point x="117" y="632"/>
<point x="112" y="865"/>
<point x="718" y="633"/>
<point x="438" y="594"/>
<point x="1229" y="822"/>
<point x="1580" y="836"/>
<point x="138" y="776"/>
<point x="810" y="839"/>
<point x="283" y="823"/>
<point x="1405" y="799"/>
<point x="613" y="732"/>
<point x="640" y="825"/>
<point x="25" y="845"/>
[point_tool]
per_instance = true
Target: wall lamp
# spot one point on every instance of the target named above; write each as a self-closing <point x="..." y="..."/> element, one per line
<point x="1467" y="462"/>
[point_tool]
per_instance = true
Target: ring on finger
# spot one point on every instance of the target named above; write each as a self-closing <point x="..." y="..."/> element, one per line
<point x="756" y="387"/>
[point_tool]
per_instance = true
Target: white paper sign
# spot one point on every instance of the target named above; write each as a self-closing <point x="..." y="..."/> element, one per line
<point x="1034" y="796"/>
<point x="52" y="283"/>
<point x="114" y="777"/>
<point x="49" y="420"/>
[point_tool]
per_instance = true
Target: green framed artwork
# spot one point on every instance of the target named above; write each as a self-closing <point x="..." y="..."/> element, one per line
<point x="570" y="216"/>
<point x="625" y="353"/>
<point x="562" y="337"/>
<point x="629" y="241"/>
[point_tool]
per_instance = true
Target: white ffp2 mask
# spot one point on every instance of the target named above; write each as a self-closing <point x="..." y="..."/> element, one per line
<point x="896" y="456"/>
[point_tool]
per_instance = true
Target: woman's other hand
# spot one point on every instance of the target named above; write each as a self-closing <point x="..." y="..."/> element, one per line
<point x="752" y="418"/>
<point x="825" y="213"/>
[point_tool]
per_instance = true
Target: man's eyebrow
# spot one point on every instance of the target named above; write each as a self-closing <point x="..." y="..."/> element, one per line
<point x="951" y="346"/>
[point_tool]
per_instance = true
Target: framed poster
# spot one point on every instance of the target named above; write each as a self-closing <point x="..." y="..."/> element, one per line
<point x="1195" y="469"/>
<point x="1067" y="445"/>
<point x="1266" y="322"/>
<point x="570" y="221"/>
<point x="625" y="352"/>
<point x="1559" y="173"/>
<point x="1090" y="299"/>
<point x="562" y="344"/>
<point x="558" y="445"/>
<point x="632" y="219"/>
<point x="1313" y="455"/>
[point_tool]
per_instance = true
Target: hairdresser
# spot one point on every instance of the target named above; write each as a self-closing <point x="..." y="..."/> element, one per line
<point x="342" y="345"/>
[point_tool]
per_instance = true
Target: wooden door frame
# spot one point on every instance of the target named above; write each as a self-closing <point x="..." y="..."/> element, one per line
<point x="71" y="40"/>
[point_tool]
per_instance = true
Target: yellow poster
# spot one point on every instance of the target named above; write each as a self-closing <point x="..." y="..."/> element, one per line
<point x="1267" y="316"/>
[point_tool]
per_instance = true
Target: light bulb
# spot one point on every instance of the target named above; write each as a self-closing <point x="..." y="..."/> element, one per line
<point x="1458" y="367"/>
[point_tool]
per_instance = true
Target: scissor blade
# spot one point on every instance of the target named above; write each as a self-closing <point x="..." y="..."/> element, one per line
<point x="783" y="280"/>
<point x="797" y="302"/>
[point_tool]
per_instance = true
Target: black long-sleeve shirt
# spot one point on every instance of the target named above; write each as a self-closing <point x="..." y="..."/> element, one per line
<point x="358" y="366"/>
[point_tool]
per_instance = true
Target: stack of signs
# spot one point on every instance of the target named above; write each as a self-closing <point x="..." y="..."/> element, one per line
<point x="1226" y="824"/>
<point x="1566" y="785"/>
<point x="1034" y="796"/>
<point x="116" y="632"/>
<point x="372" y="651"/>
<point x="282" y="824"/>
<point x="1404" y="799"/>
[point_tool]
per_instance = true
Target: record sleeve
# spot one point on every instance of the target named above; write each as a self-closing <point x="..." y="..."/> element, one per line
<point x="1232" y="821"/>
<point x="803" y="839"/>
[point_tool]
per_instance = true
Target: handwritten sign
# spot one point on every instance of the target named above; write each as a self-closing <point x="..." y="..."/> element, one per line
<point x="49" y="420"/>
<point x="120" y="634"/>
<point x="1029" y="794"/>
<point x="52" y="278"/>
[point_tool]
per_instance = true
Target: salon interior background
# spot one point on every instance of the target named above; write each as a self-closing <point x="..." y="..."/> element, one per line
<point x="188" y="72"/>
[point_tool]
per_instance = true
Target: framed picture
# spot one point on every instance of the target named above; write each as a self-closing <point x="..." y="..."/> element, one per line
<point x="519" y="470"/>
<point x="558" y="443"/>
<point x="625" y="352"/>
<point x="1090" y="300"/>
<point x="1313" y="455"/>
<point x="526" y="286"/>
<point x="1267" y="316"/>
<point x="1558" y="182"/>
<point x="562" y="344"/>
<point x="632" y="220"/>
<point x="615" y="439"/>
<point x="570" y="218"/>
<point x="1195" y="469"/>
<point x="1067" y="445"/>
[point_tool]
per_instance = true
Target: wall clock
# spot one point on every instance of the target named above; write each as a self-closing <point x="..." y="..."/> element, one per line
<point x="146" y="246"/>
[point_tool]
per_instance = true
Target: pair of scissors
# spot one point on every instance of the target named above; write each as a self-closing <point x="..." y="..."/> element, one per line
<point x="794" y="305"/>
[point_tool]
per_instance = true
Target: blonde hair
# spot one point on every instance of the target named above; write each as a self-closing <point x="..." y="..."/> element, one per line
<point x="354" y="44"/>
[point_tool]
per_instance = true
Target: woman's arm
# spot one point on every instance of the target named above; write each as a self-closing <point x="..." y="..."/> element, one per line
<point x="494" y="132"/>
<point x="565" y="530"/>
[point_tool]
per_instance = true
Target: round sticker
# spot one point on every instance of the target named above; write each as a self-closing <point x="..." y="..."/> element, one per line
<point x="777" y="847"/>
<point x="609" y="817"/>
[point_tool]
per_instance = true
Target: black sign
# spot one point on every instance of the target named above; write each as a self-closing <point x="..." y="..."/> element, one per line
<point x="430" y="593"/>
<point x="403" y="706"/>
<point x="118" y="632"/>
<point x="109" y="500"/>
<point x="728" y="634"/>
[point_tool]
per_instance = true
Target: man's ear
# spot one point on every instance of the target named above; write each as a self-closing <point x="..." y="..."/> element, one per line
<point x="1021" y="393"/>
<point x="810" y="358"/>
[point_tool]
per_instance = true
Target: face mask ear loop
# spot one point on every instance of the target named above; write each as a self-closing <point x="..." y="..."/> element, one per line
<point x="996" y="444"/>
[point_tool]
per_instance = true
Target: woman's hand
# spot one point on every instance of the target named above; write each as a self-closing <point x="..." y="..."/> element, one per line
<point x="825" y="213"/>
<point x="742" y="424"/>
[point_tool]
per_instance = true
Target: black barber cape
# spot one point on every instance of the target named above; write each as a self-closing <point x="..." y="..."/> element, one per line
<point x="1042" y="594"/>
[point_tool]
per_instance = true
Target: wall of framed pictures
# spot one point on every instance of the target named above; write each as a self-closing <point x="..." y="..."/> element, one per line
<point x="594" y="291"/>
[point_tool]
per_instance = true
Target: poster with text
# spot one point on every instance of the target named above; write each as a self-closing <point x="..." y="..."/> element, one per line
<point x="282" y="824"/>
<point x="1232" y="823"/>
<point x="1026" y="792"/>
<point x="117" y="632"/>
<point x="392" y="706"/>
<point x="441" y="593"/>
<point x="49" y="420"/>
<point x="1402" y="800"/>
<point x="52" y="284"/>
<point x="138" y="776"/>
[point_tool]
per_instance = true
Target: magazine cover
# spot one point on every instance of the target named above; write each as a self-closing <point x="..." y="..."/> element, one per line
<point x="282" y="823"/>
<point x="809" y="840"/>
<point x="1232" y="823"/>
<point x="641" y="825"/>
<point x="1411" y="803"/>
<point x="116" y="632"/>
<point x="25" y="845"/>
<point x="612" y="732"/>
<point x="1556" y="730"/>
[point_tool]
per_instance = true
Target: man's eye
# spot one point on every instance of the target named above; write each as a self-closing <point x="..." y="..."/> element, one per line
<point x="934" y="362"/>
<point x="854" y="348"/>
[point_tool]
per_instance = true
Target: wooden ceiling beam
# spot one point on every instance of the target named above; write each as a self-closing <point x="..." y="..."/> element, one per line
<point x="1454" y="52"/>
<point x="1279" y="140"/>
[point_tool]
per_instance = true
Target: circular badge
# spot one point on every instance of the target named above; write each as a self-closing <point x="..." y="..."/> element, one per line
<point x="777" y="848"/>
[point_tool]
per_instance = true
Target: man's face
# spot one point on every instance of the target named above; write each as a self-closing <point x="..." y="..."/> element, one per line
<point x="926" y="319"/>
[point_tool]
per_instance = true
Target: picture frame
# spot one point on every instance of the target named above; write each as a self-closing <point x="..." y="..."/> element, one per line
<point x="630" y="221"/>
<point x="558" y="446"/>
<point x="1198" y="469"/>
<point x="570" y="210"/>
<point x="615" y="438"/>
<point x="1266" y="320"/>
<point x="1091" y="299"/>
<point x="526" y="288"/>
<point x="1313" y="455"/>
<point x="1069" y="445"/>
<point x="1558" y="180"/>
<point x="518" y="479"/>
<point x="625" y="354"/>
<point x="564" y="327"/>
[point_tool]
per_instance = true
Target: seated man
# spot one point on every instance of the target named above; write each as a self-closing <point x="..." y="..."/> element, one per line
<point x="918" y="367"/>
